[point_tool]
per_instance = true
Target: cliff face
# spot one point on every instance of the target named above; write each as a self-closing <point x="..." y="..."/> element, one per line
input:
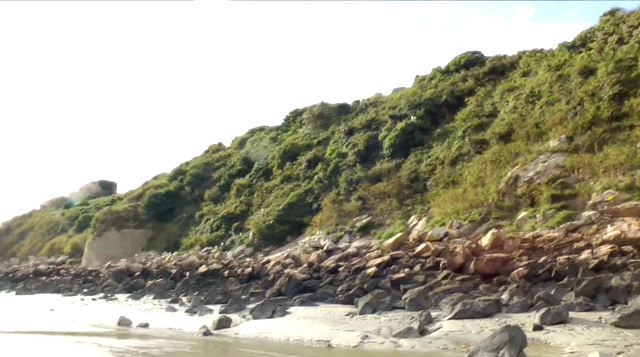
<point x="539" y="132"/>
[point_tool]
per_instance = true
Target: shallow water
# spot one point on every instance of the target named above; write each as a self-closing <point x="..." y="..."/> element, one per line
<point x="71" y="326"/>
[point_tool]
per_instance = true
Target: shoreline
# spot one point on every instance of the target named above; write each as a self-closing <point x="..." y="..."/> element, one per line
<point x="336" y="326"/>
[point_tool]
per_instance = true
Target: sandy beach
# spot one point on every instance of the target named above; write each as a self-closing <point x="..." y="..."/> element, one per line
<point x="329" y="326"/>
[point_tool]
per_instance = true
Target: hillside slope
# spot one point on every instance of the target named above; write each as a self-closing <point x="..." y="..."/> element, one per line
<point x="446" y="146"/>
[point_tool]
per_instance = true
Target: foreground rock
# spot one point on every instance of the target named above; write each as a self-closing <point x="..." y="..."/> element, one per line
<point x="222" y="322"/>
<point x="628" y="317"/>
<point x="204" y="331"/>
<point x="268" y="307"/>
<point x="124" y="322"/>
<point x="377" y="300"/>
<point x="552" y="316"/>
<point x="508" y="341"/>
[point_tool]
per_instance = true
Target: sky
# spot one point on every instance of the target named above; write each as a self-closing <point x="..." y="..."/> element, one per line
<point x="123" y="91"/>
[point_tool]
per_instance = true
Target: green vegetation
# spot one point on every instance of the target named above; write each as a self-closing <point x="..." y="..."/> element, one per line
<point x="442" y="145"/>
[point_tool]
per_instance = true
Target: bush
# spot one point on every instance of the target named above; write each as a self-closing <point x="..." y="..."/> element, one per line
<point x="83" y="222"/>
<point x="160" y="206"/>
<point x="404" y="137"/>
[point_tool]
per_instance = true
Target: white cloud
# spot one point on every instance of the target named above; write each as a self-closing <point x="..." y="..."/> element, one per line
<point x="523" y="14"/>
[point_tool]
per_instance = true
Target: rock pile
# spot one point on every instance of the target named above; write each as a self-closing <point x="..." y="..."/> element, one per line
<point x="593" y="263"/>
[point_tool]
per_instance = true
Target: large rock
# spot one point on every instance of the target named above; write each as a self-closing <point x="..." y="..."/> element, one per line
<point x="492" y="240"/>
<point x="416" y="299"/>
<point x="552" y="315"/>
<point x="375" y="301"/>
<point x="588" y="287"/>
<point x="489" y="264"/>
<point x="475" y="309"/>
<point x="437" y="234"/>
<point x="624" y="231"/>
<point x="204" y="331"/>
<point x="459" y="255"/>
<point x="394" y="242"/>
<point x="627" y="317"/>
<point x="627" y="209"/>
<point x="235" y="304"/>
<point x="508" y="341"/>
<point x="222" y="322"/>
<point x="124" y="321"/>
<point x="407" y="332"/>
<point x="265" y="308"/>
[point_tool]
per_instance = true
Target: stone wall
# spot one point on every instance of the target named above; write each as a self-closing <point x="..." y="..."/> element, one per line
<point x="114" y="245"/>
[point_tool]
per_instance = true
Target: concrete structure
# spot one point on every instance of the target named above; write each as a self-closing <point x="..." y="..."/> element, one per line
<point x="114" y="245"/>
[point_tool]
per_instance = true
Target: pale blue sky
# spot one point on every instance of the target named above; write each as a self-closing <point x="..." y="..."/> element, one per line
<point x="126" y="90"/>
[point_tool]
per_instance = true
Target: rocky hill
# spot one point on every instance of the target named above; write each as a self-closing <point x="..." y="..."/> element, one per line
<point x="518" y="142"/>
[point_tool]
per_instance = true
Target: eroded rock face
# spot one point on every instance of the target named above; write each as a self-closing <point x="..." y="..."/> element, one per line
<point x="508" y="341"/>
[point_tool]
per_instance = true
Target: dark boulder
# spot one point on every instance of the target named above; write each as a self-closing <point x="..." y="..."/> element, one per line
<point x="416" y="299"/>
<point x="265" y="309"/>
<point x="552" y="315"/>
<point x="627" y="317"/>
<point x="508" y="341"/>
<point x="222" y="322"/>
<point x="235" y="304"/>
<point x="375" y="301"/>
<point x="475" y="309"/>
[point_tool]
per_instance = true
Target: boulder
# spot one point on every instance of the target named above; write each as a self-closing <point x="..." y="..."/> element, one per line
<point x="280" y="311"/>
<point x="416" y="299"/>
<point x="459" y="255"/>
<point x="519" y="305"/>
<point x="204" y="331"/>
<point x="421" y="321"/>
<point x="588" y="287"/>
<point x="407" y="332"/>
<point x="265" y="308"/>
<point x="580" y="304"/>
<point x="235" y="304"/>
<point x="488" y="264"/>
<point x="627" y="317"/>
<point x="508" y="341"/>
<point x="191" y="263"/>
<point x="125" y="322"/>
<point x="375" y="301"/>
<point x="437" y="234"/>
<point x="394" y="242"/>
<point x="475" y="309"/>
<point x="627" y="209"/>
<point x="552" y="315"/>
<point x="492" y="240"/>
<point x="221" y="322"/>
